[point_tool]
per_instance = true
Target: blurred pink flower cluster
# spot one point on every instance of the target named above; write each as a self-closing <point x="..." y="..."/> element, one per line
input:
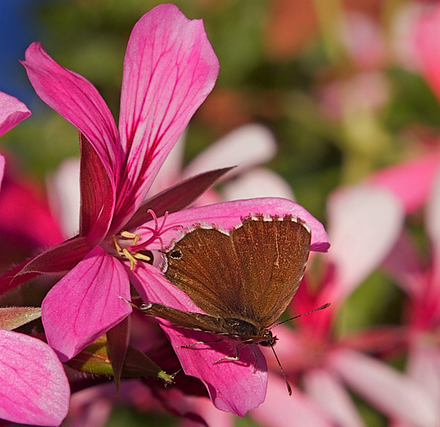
<point x="129" y="194"/>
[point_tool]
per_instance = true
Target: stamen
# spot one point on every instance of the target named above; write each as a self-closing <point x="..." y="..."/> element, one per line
<point x="142" y="257"/>
<point x="130" y="257"/>
<point x="130" y="235"/>
<point x="115" y="243"/>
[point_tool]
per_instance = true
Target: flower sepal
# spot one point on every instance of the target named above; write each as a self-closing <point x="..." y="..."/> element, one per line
<point x="95" y="359"/>
<point x="14" y="317"/>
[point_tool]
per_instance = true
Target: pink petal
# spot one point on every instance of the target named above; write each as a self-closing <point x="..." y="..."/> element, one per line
<point x="170" y="172"/>
<point x="12" y="112"/>
<point x="227" y="215"/>
<point x="55" y="260"/>
<point x="97" y="195"/>
<point x="25" y="215"/>
<point x="228" y="382"/>
<point x="282" y="410"/>
<point x="34" y="387"/>
<point x="327" y="390"/>
<point x="365" y="222"/>
<point x="244" y="147"/>
<point x="78" y="101"/>
<point x="410" y="182"/>
<point x="85" y="303"/>
<point x="2" y="168"/>
<point x="169" y="70"/>
<point x="393" y="393"/>
<point x="428" y="47"/>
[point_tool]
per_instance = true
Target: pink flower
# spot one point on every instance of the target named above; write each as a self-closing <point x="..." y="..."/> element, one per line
<point x="364" y="223"/>
<point x="421" y="284"/>
<point x="34" y="386"/>
<point x="169" y="70"/>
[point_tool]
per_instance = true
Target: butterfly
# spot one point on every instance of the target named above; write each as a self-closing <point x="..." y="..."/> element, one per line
<point x="243" y="280"/>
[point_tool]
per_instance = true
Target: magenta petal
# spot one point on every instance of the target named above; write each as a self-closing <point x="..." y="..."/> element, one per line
<point x="228" y="215"/>
<point x="85" y="303"/>
<point x="411" y="181"/>
<point x="78" y="101"/>
<point x="228" y="383"/>
<point x="2" y="168"/>
<point x="34" y="387"/>
<point x="12" y="112"/>
<point x="97" y="195"/>
<point x="169" y="70"/>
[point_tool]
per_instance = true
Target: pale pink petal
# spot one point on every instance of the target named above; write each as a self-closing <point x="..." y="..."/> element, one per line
<point x="258" y="182"/>
<point x="64" y="197"/>
<point x="204" y="408"/>
<point x="228" y="382"/>
<point x="428" y="47"/>
<point x="78" y="101"/>
<point x="411" y="182"/>
<point x="363" y="39"/>
<point x="327" y="390"/>
<point x="364" y="222"/>
<point x="281" y="410"/>
<point x="433" y="228"/>
<point x="244" y="147"/>
<point x="34" y="387"/>
<point x="92" y="407"/>
<point x="228" y="215"/>
<point x="169" y="70"/>
<point x="424" y="366"/>
<point x="404" y="265"/>
<point x="393" y="393"/>
<point x="402" y="33"/>
<point x="85" y="303"/>
<point x="12" y="112"/>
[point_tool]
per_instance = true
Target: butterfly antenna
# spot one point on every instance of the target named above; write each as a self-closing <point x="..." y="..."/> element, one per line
<point x="300" y="315"/>
<point x="289" y="389"/>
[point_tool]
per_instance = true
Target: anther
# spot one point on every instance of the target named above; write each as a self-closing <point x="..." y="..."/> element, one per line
<point x="130" y="235"/>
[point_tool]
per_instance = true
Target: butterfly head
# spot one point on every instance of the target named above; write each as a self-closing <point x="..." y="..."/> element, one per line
<point x="269" y="339"/>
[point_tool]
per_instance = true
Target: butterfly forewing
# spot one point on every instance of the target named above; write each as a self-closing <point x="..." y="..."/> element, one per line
<point x="272" y="255"/>
<point x="202" y="264"/>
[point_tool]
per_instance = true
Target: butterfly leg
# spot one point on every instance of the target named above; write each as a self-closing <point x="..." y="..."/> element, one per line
<point x="200" y="342"/>
<point x="233" y="358"/>
<point x="256" y="358"/>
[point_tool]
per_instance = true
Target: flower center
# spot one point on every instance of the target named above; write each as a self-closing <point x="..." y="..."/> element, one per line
<point x="135" y="256"/>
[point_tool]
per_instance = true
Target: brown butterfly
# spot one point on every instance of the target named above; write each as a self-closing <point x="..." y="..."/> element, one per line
<point x="243" y="280"/>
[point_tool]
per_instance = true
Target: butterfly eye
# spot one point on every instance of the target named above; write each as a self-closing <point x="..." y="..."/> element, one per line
<point x="177" y="254"/>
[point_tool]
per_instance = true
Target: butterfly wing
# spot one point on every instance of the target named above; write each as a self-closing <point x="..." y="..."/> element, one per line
<point x="272" y="255"/>
<point x="203" y="265"/>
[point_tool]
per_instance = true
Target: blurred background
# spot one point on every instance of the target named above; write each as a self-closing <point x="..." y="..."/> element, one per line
<point x="337" y="82"/>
